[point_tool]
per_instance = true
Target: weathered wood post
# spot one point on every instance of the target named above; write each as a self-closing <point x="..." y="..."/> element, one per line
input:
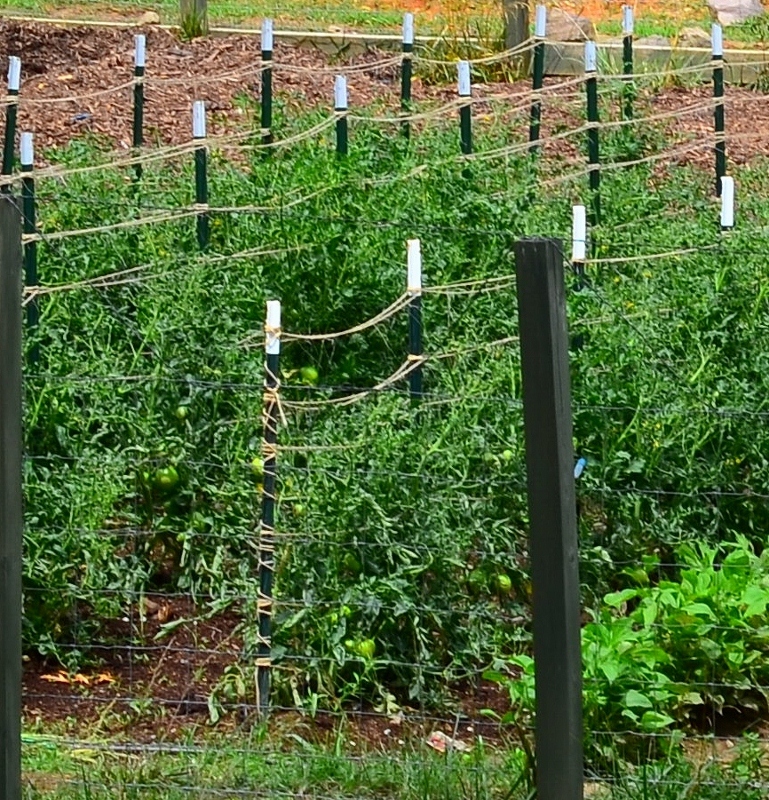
<point x="193" y="15"/>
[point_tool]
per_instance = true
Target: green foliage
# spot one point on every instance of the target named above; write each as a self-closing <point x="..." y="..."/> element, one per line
<point x="670" y="651"/>
<point x="395" y="524"/>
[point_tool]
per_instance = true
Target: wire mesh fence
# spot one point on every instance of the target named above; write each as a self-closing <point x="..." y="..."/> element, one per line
<point x="400" y="597"/>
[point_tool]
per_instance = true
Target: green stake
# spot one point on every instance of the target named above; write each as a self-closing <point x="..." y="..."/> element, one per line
<point x="465" y="112"/>
<point x="414" y="288"/>
<point x="267" y="527"/>
<point x="540" y="31"/>
<point x="407" y="66"/>
<point x="267" y="44"/>
<point x="628" y="89"/>
<point x="717" y="38"/>
<point x="201" y="169"/>
<point x="11" y="114"/>
<point x="140" y="50"/>
<point x="29" y="229"/>
<point x="340" y="107"/>
<point x="591" y="84"/>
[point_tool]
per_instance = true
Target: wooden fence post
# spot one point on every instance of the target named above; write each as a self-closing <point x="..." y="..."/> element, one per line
<point x="10" y="499"/>
<point x="552" y="517"/>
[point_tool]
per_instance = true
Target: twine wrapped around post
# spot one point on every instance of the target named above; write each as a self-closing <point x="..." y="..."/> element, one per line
<point x="271" y="415"/>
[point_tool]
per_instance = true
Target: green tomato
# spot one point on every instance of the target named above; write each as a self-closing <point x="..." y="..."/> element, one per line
<point x="367" y="649"/>
<point x="309" y="375"/>
<point x="504" y="584"/>
<point x="166" y="478"/>
<point x="298" y="509"/>
<point x="349" y="645"/>
<point x="257" y="466"/>
<point x="507" y="455"/>
<point x="182" y="412"/>
<point x="346" y="611"/>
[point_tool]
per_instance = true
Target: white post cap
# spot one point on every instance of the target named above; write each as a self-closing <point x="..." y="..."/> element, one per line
<point x="463" y="75"/>
<point x="540" y="22"/>
<point x="140" y="50"/>
<point x="27" y="150"/>
<point x="717" y="40"/>
<point x="199" y="119"/>
<point x="578" y="234"/>
<point x="591" y="57"/>
<point x="628" y="20"/>
<point x="272" y="328"/>
<point x="414" y="277"/>
<point x="408" y="28"/>
<point x="14" y="74"/>
<point x="267" y="36"/>
<point x="340" y="93"/>
<point x="727" y="202"/>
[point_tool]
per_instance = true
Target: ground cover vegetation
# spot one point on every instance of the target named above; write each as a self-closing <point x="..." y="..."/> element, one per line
<point x="402" y="559"/>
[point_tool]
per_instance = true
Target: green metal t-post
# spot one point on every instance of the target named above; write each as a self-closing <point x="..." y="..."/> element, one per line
<point x="11" y="115"/>
<point x="407" y="66"/>
<point x="201" y="172"/>
<point x="414" y="289"/>
<point x="267" y="46"/>
<point x="591" y="85"/>
<point x="29" y="213"/>
<point x="11" y="519"/>
<point x="465" y="112"/>
<point x="267" y="528"/>
<point x="340" y="107"/>
<point x="717" y="39"/>
<point x="628" y="89"/>
<point x="538" y="76"/>
<point x="140" y="51"/>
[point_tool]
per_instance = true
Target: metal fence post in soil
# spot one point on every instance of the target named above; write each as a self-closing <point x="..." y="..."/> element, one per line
<point x="11" y="114"/>
<point x="10" y="500"/>
<point x="267" y="46"/>
<point x="140" y="55"/>
<point x="201" y="172"/>
<point x="464" y="88"/>
<point x="538" y="77"/>
<point x="552" y="515"/>
<point x="340" y="107"/>
<point x="29" y="213"/>
<point x="270" y="413"/>
<point x="591" y="87"/>
<point x="717" y="39"/>
<point x="414" y="288"/>
<point x="628" y="89"/>
<point x="407" y="67"/>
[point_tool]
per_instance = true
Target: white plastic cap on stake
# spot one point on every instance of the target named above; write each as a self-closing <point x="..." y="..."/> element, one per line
<point x="272" y="328"/>
<point x="27" y="149"/>
<point x="540" y="22"/>
<point x="199" y="119"/>
<point x="14" y="74"/>
<point x="591" y="57"/>
<point x="628" y="20"/>
<point x="140" y="50"/>
<point x="408" y="28"/>
<point x="414" y="277"/>
<point x="267" y="36"/>
<point x="727" y="202"/>
<point x="340" y="93"/>
<point x="717" y="40"/>
<point x="578" y="234"/>
<point x="463" y="75"/>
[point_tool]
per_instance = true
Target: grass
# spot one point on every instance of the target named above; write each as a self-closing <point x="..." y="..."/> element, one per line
<point x="59" y="770"/>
